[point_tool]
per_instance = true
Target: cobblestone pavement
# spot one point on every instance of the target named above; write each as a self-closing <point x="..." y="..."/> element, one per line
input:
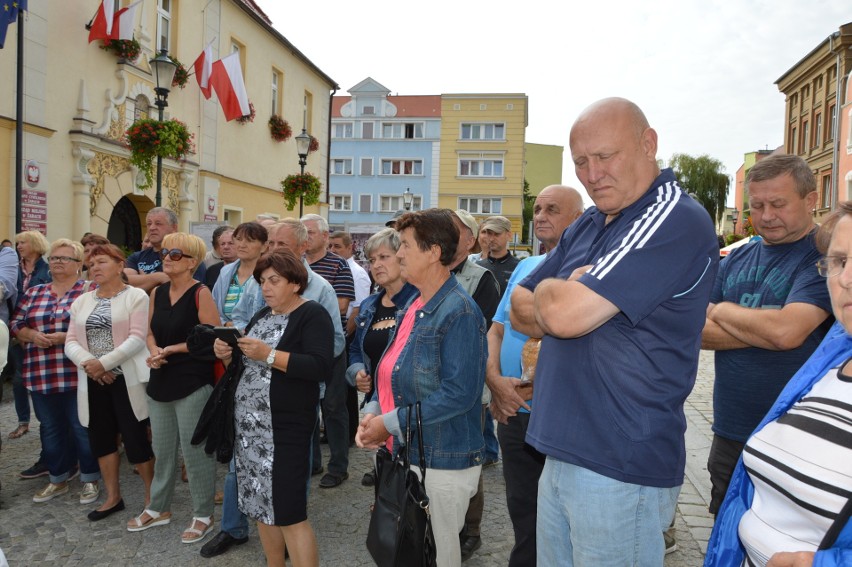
<point x="58" y="533"/>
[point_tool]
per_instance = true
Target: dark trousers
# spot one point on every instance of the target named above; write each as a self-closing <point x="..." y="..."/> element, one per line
<point x="522" y="466"/>
<point x="724" y="454"/>
<point x="336" y="420"/>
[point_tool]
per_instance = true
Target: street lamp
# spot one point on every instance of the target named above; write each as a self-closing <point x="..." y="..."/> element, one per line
<point x="735" y="214"/>
<point x="164" y="73"/>
<point x="303" y="146"/>
<point x="407" y="199"/>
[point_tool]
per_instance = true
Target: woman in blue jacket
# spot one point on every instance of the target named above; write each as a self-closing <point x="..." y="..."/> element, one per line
<point x="790" y="498"/>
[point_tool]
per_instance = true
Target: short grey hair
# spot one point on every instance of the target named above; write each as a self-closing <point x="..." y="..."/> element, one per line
<point x="322" y="224"/>
<point x="385" y="237"/>
<point x="170" y="214"/>
<point x="299" y="229"/>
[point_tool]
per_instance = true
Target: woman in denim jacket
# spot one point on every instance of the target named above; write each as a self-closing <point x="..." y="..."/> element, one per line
<point x="437" y="356"/>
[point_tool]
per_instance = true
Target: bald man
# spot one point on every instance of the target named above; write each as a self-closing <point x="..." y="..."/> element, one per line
<point x="556" y="207"/>
<point x="620" y="305"/>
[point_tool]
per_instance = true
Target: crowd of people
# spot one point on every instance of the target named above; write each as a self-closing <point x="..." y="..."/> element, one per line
<point x="583" y="356"/>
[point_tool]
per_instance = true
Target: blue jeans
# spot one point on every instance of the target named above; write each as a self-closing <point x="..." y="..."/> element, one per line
<point x="587" y="519"/>
<point x="21" y="394"/>
<point x="65" y="441"/>
<point x="234" y="522"/>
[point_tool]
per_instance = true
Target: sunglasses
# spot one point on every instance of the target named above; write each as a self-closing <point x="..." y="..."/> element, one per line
<point x="174" y="254"/>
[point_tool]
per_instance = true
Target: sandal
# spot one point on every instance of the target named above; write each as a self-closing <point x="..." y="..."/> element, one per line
<point x="193" y="534"/>
<point x="139" y="524"/>
<point x="19" y="431"/>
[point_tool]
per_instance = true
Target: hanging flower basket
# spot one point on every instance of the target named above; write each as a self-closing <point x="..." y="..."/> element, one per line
<point x="314" y="145"/>
<point x="279" y="129"/>
<point x="122" y="48"/>
<point x="304" y="185"/>
<point x="248" y="117"/>
<point x="181" y="74"/>
<point x="149" y="138"/>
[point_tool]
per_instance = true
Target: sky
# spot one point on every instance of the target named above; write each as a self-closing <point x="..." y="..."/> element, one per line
<point x="703" y="72"/>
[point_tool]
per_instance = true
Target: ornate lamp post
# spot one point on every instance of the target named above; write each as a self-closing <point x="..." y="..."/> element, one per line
<point x="303" y="145"/>
<point x="407" y="199"/>
<point x="735" y="214"/>
<point x="164" y="72"/>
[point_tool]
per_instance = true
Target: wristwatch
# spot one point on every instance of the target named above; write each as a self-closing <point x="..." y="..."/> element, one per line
<point x="270" y="358"/>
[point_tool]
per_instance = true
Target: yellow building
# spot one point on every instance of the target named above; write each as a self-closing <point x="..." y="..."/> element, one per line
<point x="80" y="99"/>
<point x="543" y="166"/>
<point x="481" y="163"/>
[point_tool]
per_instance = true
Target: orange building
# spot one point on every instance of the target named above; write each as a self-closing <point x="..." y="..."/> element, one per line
<point x="844" y="153"/>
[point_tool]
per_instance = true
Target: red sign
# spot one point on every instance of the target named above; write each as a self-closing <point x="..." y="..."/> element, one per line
<point x="33" y="197"/>
<point x="34" y="210"/>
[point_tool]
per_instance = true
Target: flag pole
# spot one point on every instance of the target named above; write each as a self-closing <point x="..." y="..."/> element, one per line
<point x="19" y="125"/>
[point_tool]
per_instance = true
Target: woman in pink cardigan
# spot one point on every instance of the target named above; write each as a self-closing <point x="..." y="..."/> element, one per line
<point x="106" y="340"/>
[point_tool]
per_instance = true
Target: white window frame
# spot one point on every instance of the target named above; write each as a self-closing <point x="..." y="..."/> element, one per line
<point x="345" y="128"/>
<point x="164" y="17"/>
<point x="398" y="130"/>
<point x="232" y="215"/>
<point x="481" y="205"/>
<point x="482" y="131"/>
<point x="489" y="166"/>
<point x="402" y="161"/>
<point x="346" y="166"/>
<point x="391" y="203"/>
<point x="343" y="198"/>
<point x="365" y="160"/>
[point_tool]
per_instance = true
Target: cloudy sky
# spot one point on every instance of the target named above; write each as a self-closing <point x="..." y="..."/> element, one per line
<point x="703" y="71"/>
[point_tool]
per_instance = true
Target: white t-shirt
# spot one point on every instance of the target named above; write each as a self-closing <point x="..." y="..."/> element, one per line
<point x="362" y="284"/>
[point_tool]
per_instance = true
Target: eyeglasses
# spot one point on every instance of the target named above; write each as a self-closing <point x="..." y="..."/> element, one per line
<point x="174" y="254"/>
<point x="62" y="259"/>
<point x="830" y="266"/>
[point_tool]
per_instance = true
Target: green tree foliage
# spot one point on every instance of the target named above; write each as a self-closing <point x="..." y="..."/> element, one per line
<point x="704" y="178"/>
<point x="529" y="202"/>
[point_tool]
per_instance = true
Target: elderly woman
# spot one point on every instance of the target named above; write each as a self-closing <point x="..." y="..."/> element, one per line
<point x="288" y="349"/>
<point x="790" y="498"/>
<point x="235" y="280"/>
<point x="31" y="246"/>
<point x="376" y="320"/>
<point x="40" y="325"/>
<point x="437" y="357"/>
<point x="179" y="387"/>
<point x="106" y="340"/>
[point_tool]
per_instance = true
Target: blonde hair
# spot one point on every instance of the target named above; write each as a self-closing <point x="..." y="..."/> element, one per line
<point x="189" y="244"/>
<point x="68" y="243"/>
<point x="35" y="239"/>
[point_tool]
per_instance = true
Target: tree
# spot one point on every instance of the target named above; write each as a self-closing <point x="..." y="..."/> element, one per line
<point x="527" y="214"/>
<point x="705" y="179"/>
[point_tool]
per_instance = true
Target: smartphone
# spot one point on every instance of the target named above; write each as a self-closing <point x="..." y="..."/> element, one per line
<point x="228" y="334"/>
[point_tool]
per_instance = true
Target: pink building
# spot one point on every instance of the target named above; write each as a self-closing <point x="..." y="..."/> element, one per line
<point x="844" y="141"/>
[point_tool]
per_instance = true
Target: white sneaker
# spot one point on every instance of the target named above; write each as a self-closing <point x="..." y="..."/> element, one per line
<point x="90" y="492"/>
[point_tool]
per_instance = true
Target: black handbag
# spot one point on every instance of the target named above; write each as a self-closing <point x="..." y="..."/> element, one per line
<point x="400" y="532"/>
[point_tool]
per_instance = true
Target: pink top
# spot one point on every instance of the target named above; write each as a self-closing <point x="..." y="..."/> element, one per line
<point x="385" y="370"/>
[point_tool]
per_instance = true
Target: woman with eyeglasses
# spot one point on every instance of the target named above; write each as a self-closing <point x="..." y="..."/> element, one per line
<point x="40" y="324"/>
<point x="106" y="340"/>
<point x="179" y="387"/>
<point x="789" y="502"/>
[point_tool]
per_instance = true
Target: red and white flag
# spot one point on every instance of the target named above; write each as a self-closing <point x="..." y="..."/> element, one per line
<point x="226" y="78"/>
<point x="113" y="25"/>
<point x="203" y="68"/>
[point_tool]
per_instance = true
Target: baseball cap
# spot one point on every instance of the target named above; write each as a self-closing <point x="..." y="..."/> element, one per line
<point x="468" y="220"/>
<point x="392" y="222"/>
<point x="497" y="224"/>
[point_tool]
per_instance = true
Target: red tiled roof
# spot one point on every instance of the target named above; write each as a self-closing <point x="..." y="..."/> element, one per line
<point x="416" y="106"/>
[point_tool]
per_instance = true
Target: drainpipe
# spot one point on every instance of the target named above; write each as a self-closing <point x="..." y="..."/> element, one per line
<point x="328" y="152"/>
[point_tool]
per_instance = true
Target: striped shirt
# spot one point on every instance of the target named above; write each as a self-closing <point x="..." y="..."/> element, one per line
<point x="47" y="370"/>
<point x="336" y="271"/>
<point x="233" y="295"/>
<point x="800" y="465"/>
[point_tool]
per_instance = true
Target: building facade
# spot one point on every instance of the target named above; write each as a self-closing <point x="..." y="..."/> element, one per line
<point x="740" y="190"/>
<point x="543" y="166"/>
<point x="844" y="159"/>
<point x="80" y="100"/>
<point x="812" y="92"/>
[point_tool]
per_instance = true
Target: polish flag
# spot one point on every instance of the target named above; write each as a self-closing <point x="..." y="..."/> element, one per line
<point x="113" y="25"/>
<point x="203" y="68"/>
<point x="226" y="78"/>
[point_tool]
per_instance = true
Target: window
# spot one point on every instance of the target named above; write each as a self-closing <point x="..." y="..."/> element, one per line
<point x="393" y="203"/>
<point x="402" y="167"/>
<point x="343" y="130"/>
<point x="164" y="24"/>
<point x="818" y="83"/>
<point x="806" y="135"/>
<point x="406" y="131"/>
<point x="794" y="103"/>
<point x="483" y="131"/>
<point x="277" y="83"/>
<point x="341" y="166"/>
<point x="480" y="167"/>
<point x="818" y="131"/>
<point x="238" y="47"/>
<point x="370" y="110"/>
<point x="486" y="206"/>
<point x="341" y="203"/>
<point x="365" y="203"/>
<point x="793" y="140"/>
<point x="825" y="194"/>
<point x="231" y="216"/>
<point x="367" y="130"/>
<point x="832" y="116"/>
<point x="367" y="166"/>
<point x="141" y="107"/>
<point x="307" y="112"/>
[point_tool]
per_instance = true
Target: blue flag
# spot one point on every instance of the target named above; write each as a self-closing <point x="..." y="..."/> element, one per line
<point x="8" y="15"/>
